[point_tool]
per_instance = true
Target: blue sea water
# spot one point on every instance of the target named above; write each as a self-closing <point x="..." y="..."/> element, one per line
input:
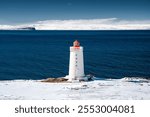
<point x="43" y="54"/>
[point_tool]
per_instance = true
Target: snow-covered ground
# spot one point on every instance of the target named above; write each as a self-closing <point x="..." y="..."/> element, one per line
<point x="126" y="88"/>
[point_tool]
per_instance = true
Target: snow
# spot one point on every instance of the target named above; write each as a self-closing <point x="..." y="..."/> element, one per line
<point x="84" y="24"/>
<point x="113" y="89"/>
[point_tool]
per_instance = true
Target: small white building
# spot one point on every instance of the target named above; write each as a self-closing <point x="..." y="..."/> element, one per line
<point x="76" y="63"/>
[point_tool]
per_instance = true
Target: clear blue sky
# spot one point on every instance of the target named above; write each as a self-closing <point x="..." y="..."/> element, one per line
<point x="22" y="11"/>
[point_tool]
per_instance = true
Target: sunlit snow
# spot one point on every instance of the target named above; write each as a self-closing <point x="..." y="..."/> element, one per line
<point x="126" y="88"/>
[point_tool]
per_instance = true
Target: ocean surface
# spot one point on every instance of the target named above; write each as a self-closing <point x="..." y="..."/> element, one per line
<point x="43" y="54"/>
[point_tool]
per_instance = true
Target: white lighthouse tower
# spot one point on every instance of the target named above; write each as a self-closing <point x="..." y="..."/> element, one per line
<point x="76" y="63"/>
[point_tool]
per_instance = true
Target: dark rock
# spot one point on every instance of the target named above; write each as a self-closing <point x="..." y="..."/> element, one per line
<point x="55" y="80"/>
<point x="27" y="28"/>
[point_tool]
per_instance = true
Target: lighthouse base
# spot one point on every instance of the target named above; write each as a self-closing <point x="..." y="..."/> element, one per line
<point x="85" y="78"/>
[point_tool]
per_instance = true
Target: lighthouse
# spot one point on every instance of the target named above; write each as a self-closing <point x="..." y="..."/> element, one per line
<point x="76" y="63"/>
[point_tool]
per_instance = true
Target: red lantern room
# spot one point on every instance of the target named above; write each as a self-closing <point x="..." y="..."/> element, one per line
<point x="76" y="43"/>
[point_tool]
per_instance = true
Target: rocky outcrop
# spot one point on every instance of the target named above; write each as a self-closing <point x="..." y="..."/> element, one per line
<point x="26" y="28"/>
<point x="55" y="80"/>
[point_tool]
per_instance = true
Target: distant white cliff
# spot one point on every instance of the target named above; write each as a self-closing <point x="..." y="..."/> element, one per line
<point x="84" y="24"/>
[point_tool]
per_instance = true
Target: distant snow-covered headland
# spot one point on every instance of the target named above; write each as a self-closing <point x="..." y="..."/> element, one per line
<point x="84" y="24"/>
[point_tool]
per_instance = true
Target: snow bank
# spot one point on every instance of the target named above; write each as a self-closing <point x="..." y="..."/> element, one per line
<point x="122" y="89"/>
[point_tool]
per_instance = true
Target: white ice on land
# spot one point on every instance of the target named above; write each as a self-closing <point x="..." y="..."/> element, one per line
<point x="84" y="24"/>
<point x="122" y="89"/>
